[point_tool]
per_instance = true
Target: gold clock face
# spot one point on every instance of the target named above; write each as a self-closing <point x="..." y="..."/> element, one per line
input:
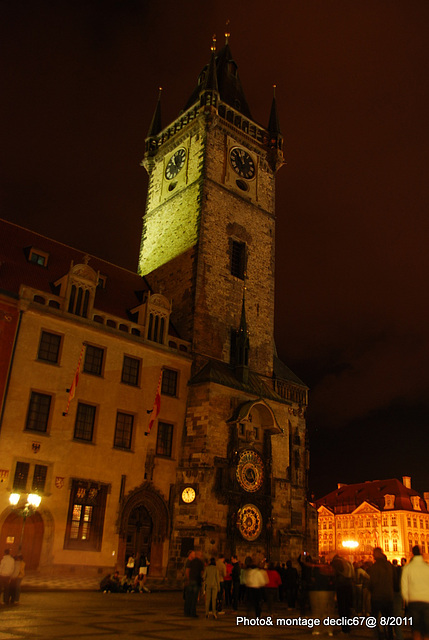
<point x="175" y="164"/>
<point x="188" y="494"/>
<point x="250" y="471"/>
<point x="250" y="522"/>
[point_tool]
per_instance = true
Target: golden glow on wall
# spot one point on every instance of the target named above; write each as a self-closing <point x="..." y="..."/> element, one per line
<point x="350" y="544"/>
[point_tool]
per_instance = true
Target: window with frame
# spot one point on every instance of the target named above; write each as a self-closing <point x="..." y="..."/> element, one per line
<point x="169" y="382"/>
<point x="38" y="257"/>
<point x="164" y="439"/>
<point x="93" y="362"/>
<point x="85" y="516"/>
<point x="49" y="347"/>
<point x="238" y="259"/>
<point x="123" y="430"/>
<point x="85" y="420"/>
<point x="39" y="477"/>
<point x="25" y="470"/>
<point x="130" y="371"/>
<point x="38" y="412"/>
<point x="21" y="476"/>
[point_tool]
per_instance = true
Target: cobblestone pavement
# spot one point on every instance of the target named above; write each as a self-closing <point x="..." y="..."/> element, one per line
<point x="95" y="615"/>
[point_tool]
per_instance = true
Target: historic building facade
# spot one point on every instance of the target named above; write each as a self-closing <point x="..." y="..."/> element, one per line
<point x="105" y="484"/>
<point x="224" y="468"/>
<point x="208" y="244"/>
<point x="381" y="513"/>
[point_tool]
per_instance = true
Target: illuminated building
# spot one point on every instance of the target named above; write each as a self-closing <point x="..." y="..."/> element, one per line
<point x="382" y="513"/>
<point x="225" y="466"/>
<point x="99" y="474"/>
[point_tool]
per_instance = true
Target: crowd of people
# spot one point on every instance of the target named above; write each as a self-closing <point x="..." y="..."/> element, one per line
<point x="12" y="571"/>
<point x="328" y="588"/>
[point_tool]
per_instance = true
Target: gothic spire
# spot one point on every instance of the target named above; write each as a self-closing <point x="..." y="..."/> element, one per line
<point x="273" y="123"/>
<point x="210" y="83"/>
<point x="155" y="125"/>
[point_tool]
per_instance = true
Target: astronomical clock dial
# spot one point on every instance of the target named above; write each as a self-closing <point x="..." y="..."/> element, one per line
<point x="175" y="164"/>
<point x="250" y="523"/>
<point x="188" y="495"/>
<point x="242" y="163"/>
<point x="250" y="471"/>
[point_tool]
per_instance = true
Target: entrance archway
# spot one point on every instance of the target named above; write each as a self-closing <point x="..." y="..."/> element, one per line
<point x="32" y="539"/>
<point x="139" y="533"/>
<point x="143" y="527"/>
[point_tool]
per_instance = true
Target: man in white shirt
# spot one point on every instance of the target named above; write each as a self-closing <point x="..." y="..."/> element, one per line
<point x="7" y="565"/>
<point x="415" y="591"/>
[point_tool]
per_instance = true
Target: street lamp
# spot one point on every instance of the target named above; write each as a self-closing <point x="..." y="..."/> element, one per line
<point x="32" y="503"/>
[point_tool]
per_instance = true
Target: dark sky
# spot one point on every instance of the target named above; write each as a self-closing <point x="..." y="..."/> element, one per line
<point x="80" y="81"/>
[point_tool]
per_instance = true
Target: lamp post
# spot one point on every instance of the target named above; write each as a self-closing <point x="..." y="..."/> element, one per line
<point x="31" y="505"/>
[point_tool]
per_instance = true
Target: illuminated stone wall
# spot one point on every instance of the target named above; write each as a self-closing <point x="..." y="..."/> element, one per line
<point x="207" y="213"/>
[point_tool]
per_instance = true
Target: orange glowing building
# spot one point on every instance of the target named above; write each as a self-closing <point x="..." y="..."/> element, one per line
<point x="379" y="513"/>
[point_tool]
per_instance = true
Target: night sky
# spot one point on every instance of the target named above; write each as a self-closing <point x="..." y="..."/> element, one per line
<point x="80" y="81"/>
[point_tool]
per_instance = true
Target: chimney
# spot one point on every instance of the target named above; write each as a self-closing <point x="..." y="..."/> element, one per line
<point x="406" y="481"/>
<point x="426" y="499"/>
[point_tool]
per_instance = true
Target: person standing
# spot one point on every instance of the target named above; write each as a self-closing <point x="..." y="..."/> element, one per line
<point x="194" y="577"/>
<point x="235" y="575"/>
<point x="129" y="570"/>
<point x="211" y="581"/>
<point x="221" y="567"/>
<point x="272" y="586"/>
<point x="381" y="584"/>
<point x="415" y="591"/>
<point x="255" y="580"/>
<point x="290" y="584"/>
<point x="16" y="579"/>
<point x="344" y="578"/>
<point x="7" y="566"/>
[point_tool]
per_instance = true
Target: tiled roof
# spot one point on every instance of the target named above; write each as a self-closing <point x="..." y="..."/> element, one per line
<point x="222" y="373"/>
<point x="228" y="82"/>
<point x="282" y="372"/>
<point x="348" y="497"/>
<point x="124" y="289"/>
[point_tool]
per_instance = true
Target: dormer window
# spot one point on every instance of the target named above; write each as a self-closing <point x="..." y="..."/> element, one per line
<point x="158" y="310"/>
<point x="415" y="501"/>
<point x="389" y="501"/>
<point x="36" y="256"/>
<point x="78" y="288"/>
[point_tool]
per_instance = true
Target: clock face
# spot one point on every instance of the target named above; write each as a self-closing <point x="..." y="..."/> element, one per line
<point x="250" y="522"/>
<point x="250" y="471"/>
<point x="188" y="494"/>
<point x="242" y="163"/>
<point x="175" y="164"/>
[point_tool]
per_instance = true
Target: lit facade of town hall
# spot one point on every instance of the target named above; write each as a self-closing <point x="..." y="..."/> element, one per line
<point x="224" y="468"/>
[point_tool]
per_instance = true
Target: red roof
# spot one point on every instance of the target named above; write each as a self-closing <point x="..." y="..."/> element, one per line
<point x="124" y="289"/>
<point x="349" y="496"/>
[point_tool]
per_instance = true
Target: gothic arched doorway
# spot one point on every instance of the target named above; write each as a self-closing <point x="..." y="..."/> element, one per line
<point x="143" y="528"/>
<point x="10" y="537"/>
<point x="139" y="533"/>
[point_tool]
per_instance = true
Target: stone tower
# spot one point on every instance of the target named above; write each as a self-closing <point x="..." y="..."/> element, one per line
<point x="208" y="245"/>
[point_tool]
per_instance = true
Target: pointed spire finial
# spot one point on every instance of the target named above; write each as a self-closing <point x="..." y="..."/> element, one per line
<point x="274" y="90"/>
<point x="155" y="125"/>
<point x="213" y="47"/>
<point x="227" y="33"/>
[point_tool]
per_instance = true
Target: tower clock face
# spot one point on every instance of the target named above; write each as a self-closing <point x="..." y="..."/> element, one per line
<point x="242" y="163"/>
<point x="175" y="164"/>
<point x="250" y="471"/>
<point x="250" y="522"/>
<point x="188" y="494"/>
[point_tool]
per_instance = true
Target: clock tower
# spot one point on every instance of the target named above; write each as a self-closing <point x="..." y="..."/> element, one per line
<point x="208" y="245"/>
